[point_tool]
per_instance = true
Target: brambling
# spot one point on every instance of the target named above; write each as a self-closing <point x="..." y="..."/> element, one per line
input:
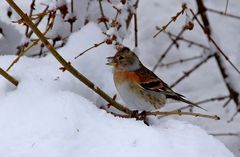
<point x="138" y="86"/>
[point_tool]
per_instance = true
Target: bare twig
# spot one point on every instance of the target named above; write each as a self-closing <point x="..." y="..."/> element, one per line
<point x="202" y="102"/>
<point x="136" y="29"/>
<point x="37" y="22"/>
<point x="173" y="19"/>
<point x="190" y="42"/>
<point x="8" y="77"/>
<point x="168" y="113"/>
<point x="187" y="73"/>
<point x="68" y="66"/>
<point x="207" y="30"/>
<point x="180" y="61"/>
<point x="22" y="53"/>
<point x="32" y="7"/>
<point x="72" y="6"/>
<point x="232" y="118"/>
<point x="94" y="46"/>
<point x="226" y="7"/>
<point x="130" y="14"/>
<point x="225" y="134"/>
<point x="227" y="102"/>
<point x="158" y="113"/>
<point x="167" y="50"/>
<point x="215" y="44"/>
<point x="223" y="13"/>
<point x="219" y="98"/>
<point x="87" y="82"/>
<point x="102" y="13"/>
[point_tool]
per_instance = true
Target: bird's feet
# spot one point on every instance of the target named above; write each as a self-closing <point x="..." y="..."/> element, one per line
<point x="141" y="116"/>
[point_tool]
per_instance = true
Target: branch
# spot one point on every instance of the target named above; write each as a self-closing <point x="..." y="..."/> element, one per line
<point x="94" y="46"/>
<point x="130" y="14"/>
<point x="139" y="116"/>
<point x="225" y="134"/>
<point x="173" y="19"/>
<point x="87" y="82"/>
<point x="22" y="53"/>
<point x="190" y="42"/>
<point x="214" y="43"/>
<point x="65" y="64"/>
<point x="223" y="13"/>
<point x="168" y="49"/>
<point x="32" y="7"/>
<point x="135" y="30"/>
<point x="180" y="113"/>
<point x="8" y="77"/>
<point x="187" y="73"/>
<point x="207" y="30"/>
<point x="102" y="14"/>
<point x="181" y="61"/>
<point x="219" y="98"/>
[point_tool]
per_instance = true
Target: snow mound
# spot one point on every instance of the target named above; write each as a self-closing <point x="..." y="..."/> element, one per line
<point x="52" y="114"/>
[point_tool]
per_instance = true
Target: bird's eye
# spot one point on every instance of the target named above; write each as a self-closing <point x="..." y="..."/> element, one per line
<point x="120" y="58"/>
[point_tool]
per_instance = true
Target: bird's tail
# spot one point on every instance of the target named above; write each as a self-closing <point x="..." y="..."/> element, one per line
<point x="191" y="103"/>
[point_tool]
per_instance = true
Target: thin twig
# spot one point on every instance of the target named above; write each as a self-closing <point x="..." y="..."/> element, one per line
<point x="219" y="98"/>
<point x="94" y="46"/>
<point x="232" y="118"/>
<point x="202" y="102"/>
<point x="72" y="6"/>
<point x="167" y="50"/>
<point x="37" y="22"/>
<point x="180" y="61"/>
<point x="226" y="7"/>
<point x="187" y="73"/>
<point x="83" y="79"/>
<point x="225" y="134"/>
<point x="214" y="43"/>
<point x="130" y="14"/>
<point x="8" y="77"/>
<point x="66" y="64"/>
<point x="167" y="113"/>
<point x="227" y="102"/>
<point x="30" y="46"/>
<point x="222" y="13"/>
<point x="23" y="53"/>
<point x="173" y="19"/>
<point x="188" y="41"/>
<point x="180" y="113"/>
<point x="32" y="7"/>
<point x="234" y="94"/>
<point x="135" y="29"/>
<point x="102" y="13"/>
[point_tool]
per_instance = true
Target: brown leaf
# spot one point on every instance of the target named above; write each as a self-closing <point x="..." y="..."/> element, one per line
<point x="189" y="25"/>
<point x="64" y="10"/>
<point x="103" y="19"/>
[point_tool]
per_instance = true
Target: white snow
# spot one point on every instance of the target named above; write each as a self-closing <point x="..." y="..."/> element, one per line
<point x="47" y="114"/>
<point x="52" y="114"/>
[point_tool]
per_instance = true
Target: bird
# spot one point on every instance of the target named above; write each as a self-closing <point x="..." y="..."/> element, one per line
<point x="139" y="87"/>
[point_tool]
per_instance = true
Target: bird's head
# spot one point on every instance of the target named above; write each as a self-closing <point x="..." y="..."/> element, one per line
<point x="125" y="60"/>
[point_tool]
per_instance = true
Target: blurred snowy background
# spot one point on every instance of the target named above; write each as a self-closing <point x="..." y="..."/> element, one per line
<point x="50" y="113"/>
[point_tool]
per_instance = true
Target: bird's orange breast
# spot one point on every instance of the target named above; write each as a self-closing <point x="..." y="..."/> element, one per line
<point x="121" y="76"/>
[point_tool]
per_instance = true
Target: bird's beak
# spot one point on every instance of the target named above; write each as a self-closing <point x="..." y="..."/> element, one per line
<point x="110" y="61"/>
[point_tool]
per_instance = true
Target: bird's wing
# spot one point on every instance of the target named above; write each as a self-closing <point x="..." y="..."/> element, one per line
<point x="151" y="82"/>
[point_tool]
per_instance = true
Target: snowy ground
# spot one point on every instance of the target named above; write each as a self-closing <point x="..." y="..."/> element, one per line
<point x="46" y="116"/>
<point x="52" y="114"/>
